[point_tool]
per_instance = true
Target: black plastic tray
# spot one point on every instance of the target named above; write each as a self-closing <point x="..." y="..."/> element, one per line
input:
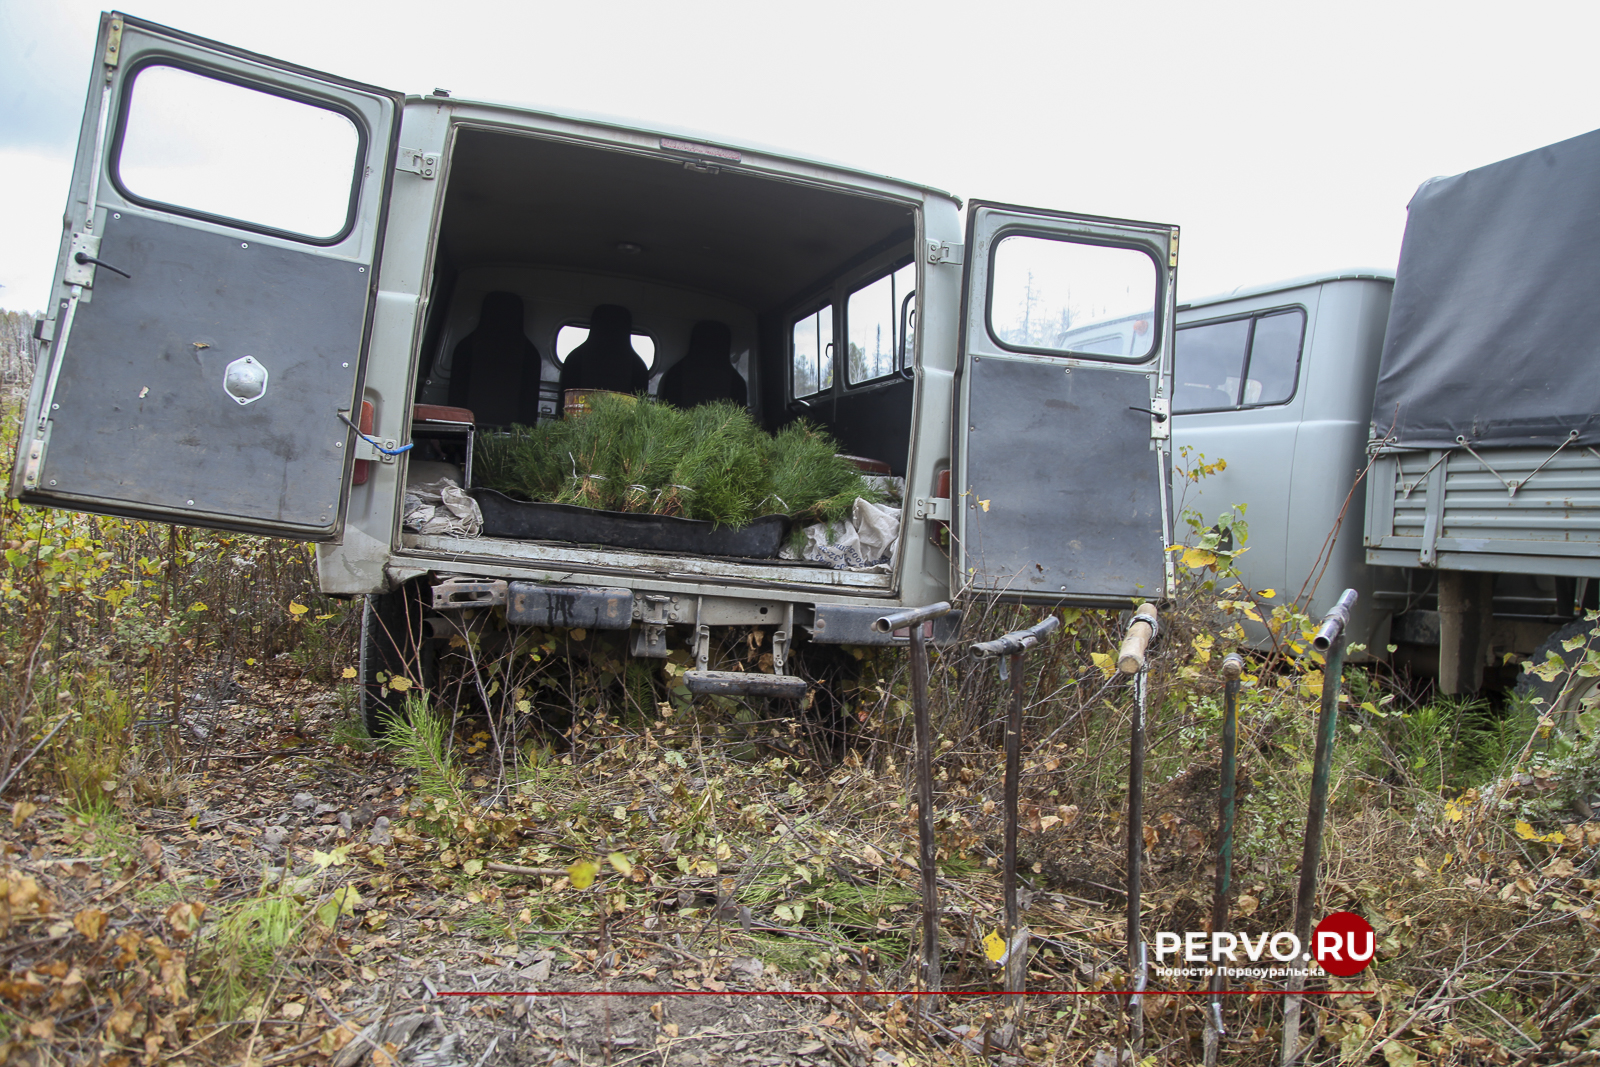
<point x="523" y="521"/>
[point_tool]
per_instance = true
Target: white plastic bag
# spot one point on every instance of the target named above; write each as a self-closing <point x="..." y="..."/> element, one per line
<point x="443" y="508"/>
<point x="870" y="539"/>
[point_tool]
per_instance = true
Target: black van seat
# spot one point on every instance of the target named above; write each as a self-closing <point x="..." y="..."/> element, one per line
<point x="705" y="373"/>
<point x="606" y="360"/>
<point x="495" y="370"/>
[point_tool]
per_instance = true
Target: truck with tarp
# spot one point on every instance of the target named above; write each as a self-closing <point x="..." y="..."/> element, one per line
<point x="1464" y="387"/>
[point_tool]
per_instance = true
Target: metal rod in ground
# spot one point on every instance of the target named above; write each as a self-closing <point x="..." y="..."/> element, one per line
<point x="932" y="974"/>
<point x="1330" y="641"/>
<point x="1232" y="670"/>
<point x="1014" y="645"/>
<point x="1016" y="961"/>
<point x="1141" y="631"/>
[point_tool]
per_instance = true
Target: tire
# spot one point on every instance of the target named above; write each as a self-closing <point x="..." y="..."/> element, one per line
<point x="1565" y="693"/>
<point x="393" y="645"/>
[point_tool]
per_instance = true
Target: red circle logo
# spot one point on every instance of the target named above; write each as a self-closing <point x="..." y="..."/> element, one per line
<point x="1343" y="944"/>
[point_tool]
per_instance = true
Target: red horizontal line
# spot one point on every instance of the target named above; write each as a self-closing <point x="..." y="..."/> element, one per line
<point x="908" y="993"/>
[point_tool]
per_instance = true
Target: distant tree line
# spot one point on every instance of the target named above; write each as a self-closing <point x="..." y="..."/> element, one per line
<point x="18" y="349"/>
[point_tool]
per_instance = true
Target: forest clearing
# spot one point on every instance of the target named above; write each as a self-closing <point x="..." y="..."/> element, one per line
<point x="209" y="860"/>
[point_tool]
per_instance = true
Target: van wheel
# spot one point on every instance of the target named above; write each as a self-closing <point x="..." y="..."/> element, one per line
<point x="393" y="645"/>
<point x="1566" y="692"/>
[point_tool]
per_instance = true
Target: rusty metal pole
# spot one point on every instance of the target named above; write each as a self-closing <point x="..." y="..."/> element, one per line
<point x="1142" y="629"/>
<point x="1016" y="962"/>
<point x="932" y="973"/>
<point x="1330" y="642"/>
<point x="1232" y="670"/>
<point x="1013" y="645"/>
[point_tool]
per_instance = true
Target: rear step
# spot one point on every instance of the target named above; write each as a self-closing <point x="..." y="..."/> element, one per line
<point x="739" y="683"/>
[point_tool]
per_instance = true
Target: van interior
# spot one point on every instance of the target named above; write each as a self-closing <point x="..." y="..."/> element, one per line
<point x="565" y="265"/>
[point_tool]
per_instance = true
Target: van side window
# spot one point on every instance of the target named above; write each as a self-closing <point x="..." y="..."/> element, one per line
<point x="874" y="321"/>
<point x="1236" y="363"/>
<point x="196" y="144"/>
<point x="1274" y="357"/>
<point x="811" y="355"/>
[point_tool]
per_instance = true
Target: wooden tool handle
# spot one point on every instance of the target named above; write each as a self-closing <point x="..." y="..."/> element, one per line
<point x="1141" y="628"/>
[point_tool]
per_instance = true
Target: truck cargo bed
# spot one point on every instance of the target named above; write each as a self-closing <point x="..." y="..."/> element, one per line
<point x="1525" y="510"/>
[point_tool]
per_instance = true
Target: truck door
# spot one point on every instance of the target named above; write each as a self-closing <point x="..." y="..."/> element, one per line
<point x="1063" y="408"/>
<point x="214" y="289"/>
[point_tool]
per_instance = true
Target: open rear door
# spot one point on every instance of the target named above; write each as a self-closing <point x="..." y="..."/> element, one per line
<point x="214" y="289"/>
<point x="1063" y="407"/>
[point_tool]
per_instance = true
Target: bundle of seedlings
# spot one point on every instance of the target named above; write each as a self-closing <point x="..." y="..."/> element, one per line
<point x="712" y="462"/>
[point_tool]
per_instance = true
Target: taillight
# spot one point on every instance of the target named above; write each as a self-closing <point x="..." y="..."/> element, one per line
<point x="363" y="466"/>
<point x="939" y="529"/>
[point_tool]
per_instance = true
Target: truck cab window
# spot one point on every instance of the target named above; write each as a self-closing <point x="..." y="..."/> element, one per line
<point x="1060" y="297"/>
<point x="1212" y="371"/>
<point x="811" y="354"/>
<point x="873" y="319"/>
<point x="194" y="143"/>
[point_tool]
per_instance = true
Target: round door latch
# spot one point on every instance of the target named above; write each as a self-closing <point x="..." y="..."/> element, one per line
<point x="245" y="380"/>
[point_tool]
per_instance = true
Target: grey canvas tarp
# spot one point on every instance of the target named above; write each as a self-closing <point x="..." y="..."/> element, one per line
<point x="1494" y="333"/>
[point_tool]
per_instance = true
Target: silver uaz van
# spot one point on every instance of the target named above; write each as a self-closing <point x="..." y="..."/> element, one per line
<point x="272" y="281"/>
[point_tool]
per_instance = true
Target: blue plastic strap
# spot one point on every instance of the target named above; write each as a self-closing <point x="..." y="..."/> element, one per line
<point x="372" y="441"/>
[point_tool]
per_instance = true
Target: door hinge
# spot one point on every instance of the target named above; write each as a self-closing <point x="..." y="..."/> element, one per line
<point x="1172" y="249"/>
<point x="82" y="273"/>
<point x="33" y="461"/>
<point x="945" y="251"/>
<point x="416" y="161"/>
<point x="385" y="450"/>
<point x="933" y="507"/>
<point x="114" y="41"/>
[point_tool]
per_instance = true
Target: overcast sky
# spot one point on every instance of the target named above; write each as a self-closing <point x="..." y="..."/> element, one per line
<point x="1284" y="138"/>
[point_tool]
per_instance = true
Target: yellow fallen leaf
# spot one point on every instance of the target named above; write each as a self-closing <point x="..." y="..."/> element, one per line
<point x="582" y="873"/>
<point x="994" y="946"/>
<point x="298" y="609"/>
<point x="400" y="685"/>
<point x="623" y="865"/>
<point x="184" y="917"/>
<point x="1528" y="833"/>
<point x="348" y="672"/>
<point x="20" y="812"/>
<point x="89" y="922"/>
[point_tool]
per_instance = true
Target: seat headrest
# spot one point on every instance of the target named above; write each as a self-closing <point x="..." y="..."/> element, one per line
<point x="710" y="338"/>
<point x="610" y="319"/>
<point x="501" y="311"/>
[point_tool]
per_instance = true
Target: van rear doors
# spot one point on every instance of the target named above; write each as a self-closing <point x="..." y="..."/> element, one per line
<point x="1063" y="408"/>
<point x="214" y="292"/>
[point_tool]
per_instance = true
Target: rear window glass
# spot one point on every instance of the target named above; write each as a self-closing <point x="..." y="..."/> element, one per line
<point x="1235" y="363"/>
<point x="215" y="148"/>
<point x="572" y="335"/>
<point x="1070" y="297"/>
